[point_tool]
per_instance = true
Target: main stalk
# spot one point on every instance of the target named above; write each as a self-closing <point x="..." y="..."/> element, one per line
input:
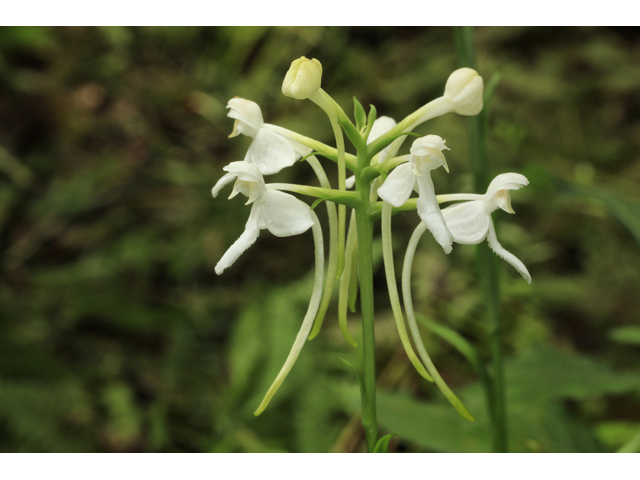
<point x="364" y="228"/>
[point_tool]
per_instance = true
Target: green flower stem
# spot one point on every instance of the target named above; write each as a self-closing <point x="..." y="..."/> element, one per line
<point x="353" y="286"/>
<point x="413" y="325"/>
<point x="332" y="265"/>
<point x="485" y="260"/>
<point x="364" y="226"/>
<point x="350" y="199"/>
<point x="387" y="255"/>
<point x="345" y="281"/>
<point x="324" y="101"/>
<point x="375" y="209"/>
<point x="323" y="149"/>
<point x="390" y="164"/>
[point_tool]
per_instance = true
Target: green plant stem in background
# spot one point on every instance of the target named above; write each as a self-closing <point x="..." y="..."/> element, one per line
<point x="484" y="258"/>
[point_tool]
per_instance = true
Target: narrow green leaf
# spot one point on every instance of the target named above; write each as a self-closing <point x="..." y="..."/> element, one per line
<point x="626" y="212"/>
<point x="383" y="444"/>
<point x="629" y="335"/>
<point x="457" y="341"/>
<point x="316" y="203"/>
<point x="373" y="114"/>
<point x="359" y="114"/>
<point x="355" y="370"/>
<point x="632" y="446"/>
<point x="353" y="134"/>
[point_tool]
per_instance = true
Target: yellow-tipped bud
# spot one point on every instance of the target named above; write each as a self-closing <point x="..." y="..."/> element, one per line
<point x="303" y="78"/>
<point x="464" y="90"/>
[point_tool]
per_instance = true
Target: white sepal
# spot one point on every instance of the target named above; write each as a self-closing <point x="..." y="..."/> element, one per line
<point x="246" y="172"/>
<point x="498" y="195"/>
<point x="398" y="186"/>
<point x="270" y="152"/>
<point x="247" y="114"/>
<point x="284" y="215"/>
<point x="350" y="182"/>
<point x="381" y="126"/>
<point x="226" y="179"/>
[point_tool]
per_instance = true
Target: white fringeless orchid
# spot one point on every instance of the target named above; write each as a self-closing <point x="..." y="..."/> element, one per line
<point x="470" y="222"/>
<point x="280" y="213"/>
<point x="426" y="155"/>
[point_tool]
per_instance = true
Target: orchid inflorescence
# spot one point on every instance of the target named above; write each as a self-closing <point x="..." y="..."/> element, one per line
<point x="378" y="173"/>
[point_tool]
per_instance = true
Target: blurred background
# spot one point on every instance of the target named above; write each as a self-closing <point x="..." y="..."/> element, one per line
<point x="116" y="335"/>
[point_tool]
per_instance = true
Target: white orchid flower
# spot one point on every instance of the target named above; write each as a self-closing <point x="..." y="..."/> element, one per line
<point x="280" y="213"/>
<point x="426" y="155"/>
<point x="380" y="126"/>
<point x="470" y="222"/>
<point x="283" y="215"/>
<point x="269" y="151"/>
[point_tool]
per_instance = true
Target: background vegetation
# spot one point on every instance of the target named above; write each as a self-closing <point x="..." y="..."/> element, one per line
<point x="116" y="335"/>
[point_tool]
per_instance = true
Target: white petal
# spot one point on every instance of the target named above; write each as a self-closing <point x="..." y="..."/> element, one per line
<point x="430" y="213"/>
<point x="226" y="179"/>
<point x="506" y="181"/>
<point x="248" y="238"/>
<point x="422" y="145"/>
<point x="507" y="256"/>
<point x="398" y="186"/>
<point x="285" y="215"/>
<point x="247" y="114"/>
<point x="350" y="182"/>
<point x="271" y="152"/>
<point x="381" y="126"/>
<point x="246" y="172"/>
<point x="468" y="222"/>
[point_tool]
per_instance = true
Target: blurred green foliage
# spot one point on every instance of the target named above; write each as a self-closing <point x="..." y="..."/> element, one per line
<point x="116" y="335"/>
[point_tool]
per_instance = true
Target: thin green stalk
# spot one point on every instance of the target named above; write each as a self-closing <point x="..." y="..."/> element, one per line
<point x="484" y="258"/>
<point x="307" y="322"/>
<point x="323" y="100"/>
<point x="348" y="274"/>
<point x="364" y="230"/>
<point x="413" y="325"/>
<point x="364" y="227"/>
<point x="332" y="265"/>
<point x="387" y="255"/>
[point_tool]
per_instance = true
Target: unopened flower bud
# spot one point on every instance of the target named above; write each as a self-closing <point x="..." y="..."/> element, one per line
<point x="303" y="78"/>
<point x="464" y="91"/>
